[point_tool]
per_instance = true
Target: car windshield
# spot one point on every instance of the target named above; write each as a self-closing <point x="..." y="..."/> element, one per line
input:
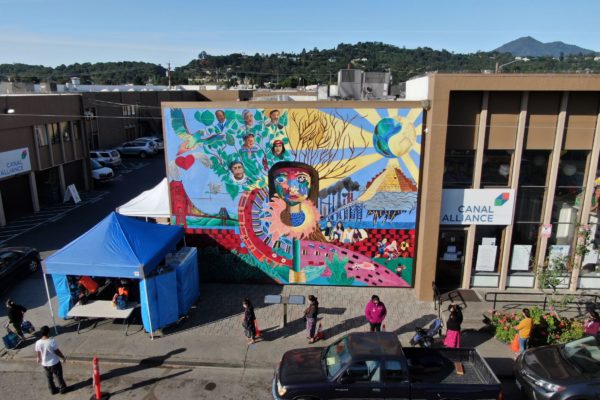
<point x="584" y="354"/>
<point x="336" y="356"/>
<point x="96" y="164"/>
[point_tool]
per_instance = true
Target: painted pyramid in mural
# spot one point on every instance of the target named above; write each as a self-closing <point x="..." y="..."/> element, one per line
<point x="390" y="191"/>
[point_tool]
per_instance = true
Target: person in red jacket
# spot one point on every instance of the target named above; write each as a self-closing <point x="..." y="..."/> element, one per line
<point x="375" y="312"/>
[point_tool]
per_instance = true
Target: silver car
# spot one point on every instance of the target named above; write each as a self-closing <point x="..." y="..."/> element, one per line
<point x="140" y="148"/>
<point x="108" y="158"/>
<point x="160" y="144"/>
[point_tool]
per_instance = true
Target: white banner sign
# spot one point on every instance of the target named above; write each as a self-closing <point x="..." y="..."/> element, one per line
<point x="486" y="258"/>
<point x="477" y="206"/>
<point x="14" y="162"/>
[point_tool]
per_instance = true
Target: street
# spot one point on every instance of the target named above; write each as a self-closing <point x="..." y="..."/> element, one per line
<point x="26" y="381"/>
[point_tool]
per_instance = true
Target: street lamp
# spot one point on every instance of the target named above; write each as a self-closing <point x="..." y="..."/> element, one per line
<point x="500" y="66"/>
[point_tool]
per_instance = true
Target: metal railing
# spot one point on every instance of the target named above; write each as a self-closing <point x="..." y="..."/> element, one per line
<point x="541" y="298"/>
<point x="451" y="296"/>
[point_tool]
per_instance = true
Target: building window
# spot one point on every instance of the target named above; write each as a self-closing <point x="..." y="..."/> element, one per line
<point x="40" y="133"/>
<point x="528" y="209"/>
<point x="589" y="265"/>
<point x="567" y="198"/>
<point x="53" y="134"/>
<point x="486" y="255"/>
<point x="496" y="168"/>
<point x="65" y="132"/>
<point x="458" y="169"/>
<point x="76" y="130"/>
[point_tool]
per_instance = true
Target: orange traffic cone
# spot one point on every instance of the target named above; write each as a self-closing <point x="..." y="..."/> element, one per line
<point x="257" y="329"/>
<point x="320" y="333"/>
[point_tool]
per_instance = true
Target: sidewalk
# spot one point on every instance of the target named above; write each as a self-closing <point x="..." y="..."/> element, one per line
<point x="213" y="336"/>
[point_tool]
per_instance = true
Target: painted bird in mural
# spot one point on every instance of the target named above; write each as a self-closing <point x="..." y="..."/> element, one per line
<point x="190" y="141"/>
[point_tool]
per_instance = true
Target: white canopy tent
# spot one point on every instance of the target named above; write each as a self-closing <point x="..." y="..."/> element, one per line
<point x="153" y="203"/>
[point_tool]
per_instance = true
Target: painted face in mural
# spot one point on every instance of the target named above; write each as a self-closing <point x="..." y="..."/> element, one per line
<point x="248" y="118"/>
<point x="278" y="148"/>
<point x="292" y="185"/>
<point x="237" y="170"/>
<point x="220" y="116"/>
<point x="274" y="115"/>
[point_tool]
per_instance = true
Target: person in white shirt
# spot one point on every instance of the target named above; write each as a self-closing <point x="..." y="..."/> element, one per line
<point x="48" y="355"/>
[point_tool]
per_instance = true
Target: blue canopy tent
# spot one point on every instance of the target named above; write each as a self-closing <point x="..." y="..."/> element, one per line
<point x="117" y="247"/>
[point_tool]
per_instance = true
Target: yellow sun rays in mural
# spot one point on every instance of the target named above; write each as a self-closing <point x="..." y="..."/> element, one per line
<point x="357" y="164"/>
<point x="312" y="129"/>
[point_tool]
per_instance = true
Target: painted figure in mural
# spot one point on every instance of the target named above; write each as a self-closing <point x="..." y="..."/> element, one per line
<point x="347" y="235"/>
<point x="391" y="250"/>
<point x="278" y="149"/>
<point x="273" y="122"/>
<point x="238" y="174"/>
<point x="248" y="120"/>
<point x="338" y="232"/>
<point x="221" y="120"/>
<point x="293" y="190"/>
<point x="356" y="235"/>
<point x="249" y="145"/>
<point x="381" y="247"/>
<point x="328" y="229"/>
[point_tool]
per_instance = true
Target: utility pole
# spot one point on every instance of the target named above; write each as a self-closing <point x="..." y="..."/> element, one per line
<point x="169" y="74"/>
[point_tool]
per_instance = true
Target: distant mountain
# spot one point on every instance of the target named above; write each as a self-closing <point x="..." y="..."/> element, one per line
<point x="529" y="47"/>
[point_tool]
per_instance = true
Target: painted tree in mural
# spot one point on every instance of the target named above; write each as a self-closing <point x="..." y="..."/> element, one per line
<point x="324" y="142"/>
<point x="239" y="147"/>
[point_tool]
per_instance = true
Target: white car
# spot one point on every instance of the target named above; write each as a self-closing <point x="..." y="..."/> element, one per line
<point x="109" y="158"/>
<point x="101" y="173"/>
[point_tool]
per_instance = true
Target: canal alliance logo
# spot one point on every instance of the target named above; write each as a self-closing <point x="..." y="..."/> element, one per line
<point x="24" y="154"/>
<point x="502" y="199"/>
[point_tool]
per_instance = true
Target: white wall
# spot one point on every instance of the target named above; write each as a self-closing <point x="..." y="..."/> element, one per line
<point x="417" y="89"/>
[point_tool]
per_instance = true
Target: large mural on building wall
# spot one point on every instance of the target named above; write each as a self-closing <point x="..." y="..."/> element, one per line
<point x="324" y="196"/>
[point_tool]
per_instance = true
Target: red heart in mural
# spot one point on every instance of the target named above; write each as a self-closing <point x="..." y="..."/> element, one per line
<point x="185" y="162"/>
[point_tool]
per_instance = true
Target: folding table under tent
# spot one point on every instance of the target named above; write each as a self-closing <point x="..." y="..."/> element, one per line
<point x="121" y="247"/>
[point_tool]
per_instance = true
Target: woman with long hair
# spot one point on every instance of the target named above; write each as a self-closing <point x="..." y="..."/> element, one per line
<point x="310" y="314"/>
<point x="248" y="321"/>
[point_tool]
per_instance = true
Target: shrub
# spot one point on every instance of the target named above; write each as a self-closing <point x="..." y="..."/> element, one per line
<point x="548" y="327"/>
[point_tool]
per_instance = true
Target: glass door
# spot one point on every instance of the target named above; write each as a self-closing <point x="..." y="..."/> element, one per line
<point x="451" y="258"/>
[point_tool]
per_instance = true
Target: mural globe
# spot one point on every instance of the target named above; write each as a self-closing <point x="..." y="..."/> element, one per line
<point x="394" y="137"/>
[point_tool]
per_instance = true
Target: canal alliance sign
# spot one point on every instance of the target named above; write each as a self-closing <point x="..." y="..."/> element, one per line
<point x="14" y="162"/>
<point x="477" y="207"/>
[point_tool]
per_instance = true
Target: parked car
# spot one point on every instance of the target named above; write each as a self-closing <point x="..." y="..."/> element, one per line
<point x="108" y="158"/>
<point x="560" y="371"/>
<point x="374" y="365"/>
<point x="101" y="173"/>
<point x="16" y="263"/>
<point x="140" y="148"/>
<point x="160" y="143"/>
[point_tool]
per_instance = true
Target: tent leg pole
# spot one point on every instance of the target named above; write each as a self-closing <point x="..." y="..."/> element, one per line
<point x="50" y="304"/>
<point x="148" y="309"/>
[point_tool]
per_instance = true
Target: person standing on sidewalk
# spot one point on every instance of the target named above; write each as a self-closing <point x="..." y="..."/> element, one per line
<point x="375" y="312"/>
<point x="453" y="323"/>
<point x="310" y="315"/>
<point x="16" y="314"/>
<point x="524" y="329"/>
<point x="48" y="355"/>
<point x="248" y="320"/>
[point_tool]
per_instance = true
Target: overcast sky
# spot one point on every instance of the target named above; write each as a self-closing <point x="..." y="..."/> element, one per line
<point x="54" y="32"/>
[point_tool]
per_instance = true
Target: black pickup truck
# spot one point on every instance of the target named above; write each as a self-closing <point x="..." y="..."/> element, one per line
<point x="374" y="365"/>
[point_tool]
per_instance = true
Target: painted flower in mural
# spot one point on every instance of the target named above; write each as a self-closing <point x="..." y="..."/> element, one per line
<point x="404" y="246"/>
<point x="278" y="227"/>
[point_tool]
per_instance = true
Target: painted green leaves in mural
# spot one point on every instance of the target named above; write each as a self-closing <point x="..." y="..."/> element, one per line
<point x="338" y="271"/>
<point x="206" y="117"/>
